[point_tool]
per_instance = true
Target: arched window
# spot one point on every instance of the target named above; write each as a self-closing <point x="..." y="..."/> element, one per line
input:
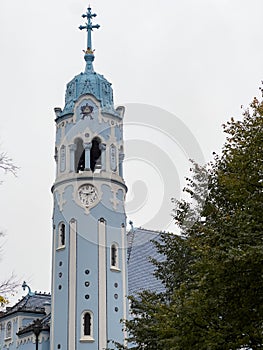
<point x="79" y="156"/>
<point x="61" y="235"/>
<point x="95" y="153"/>
<point x="87" y="326"/>
<point x="114" y="255"/>
<point x="8" y="329"/>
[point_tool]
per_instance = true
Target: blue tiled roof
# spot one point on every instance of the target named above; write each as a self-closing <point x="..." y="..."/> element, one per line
<point x="140" y="269"/>
<point x="92" y="83"/>
<point x="34" y="304"/>
<point x="29" y="303"/>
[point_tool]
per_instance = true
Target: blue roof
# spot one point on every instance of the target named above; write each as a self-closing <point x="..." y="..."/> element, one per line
<point x="140" y="269"/>
<point x="30" y="303"/>
<point x="89" y="82"/>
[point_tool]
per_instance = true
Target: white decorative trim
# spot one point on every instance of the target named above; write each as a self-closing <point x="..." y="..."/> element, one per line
<point x="8" y="331"/>
<point x="31" y="339"/>
<point x="72" y="284"/>
<point x="53" y="289"/>
<point x="124" y="281"/>
<point x="59" y="195"/>
<point x="61" y="247"/>
<point x="87" y="340"/>
<point x="62" y="158"/>
<point x="114" y="200"/>
<point x="102" y="283"/>
<point x="83" y="337"/>
<point x="115" y="269"/>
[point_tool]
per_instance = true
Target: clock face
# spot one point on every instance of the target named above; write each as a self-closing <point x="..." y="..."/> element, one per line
<point x="87" y="194"/>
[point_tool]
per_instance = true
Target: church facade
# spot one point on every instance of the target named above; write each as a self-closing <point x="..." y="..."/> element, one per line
<point x="95" y="264"/>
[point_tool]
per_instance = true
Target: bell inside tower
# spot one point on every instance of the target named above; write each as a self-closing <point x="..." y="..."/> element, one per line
<point x="95" y="154"/>
<point x="79" y="156"/>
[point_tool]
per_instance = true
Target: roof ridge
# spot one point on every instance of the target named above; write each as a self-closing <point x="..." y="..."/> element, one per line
<point x="148" y="230"/>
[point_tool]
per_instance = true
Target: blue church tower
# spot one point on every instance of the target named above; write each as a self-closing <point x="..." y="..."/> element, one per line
<point x="90" y="246"/>
<point x="89" y="283"/>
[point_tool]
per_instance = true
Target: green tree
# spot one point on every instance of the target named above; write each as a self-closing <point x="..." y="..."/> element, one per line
<point x="214" y="282"/>
<point x="151" y="327"/>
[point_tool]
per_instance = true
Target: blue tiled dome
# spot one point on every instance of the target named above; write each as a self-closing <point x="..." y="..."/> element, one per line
<point x="88" y="82"/>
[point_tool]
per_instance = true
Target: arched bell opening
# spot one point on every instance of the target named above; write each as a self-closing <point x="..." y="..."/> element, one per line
<point x="95" y="154"/>
<point x="79" y="156"/>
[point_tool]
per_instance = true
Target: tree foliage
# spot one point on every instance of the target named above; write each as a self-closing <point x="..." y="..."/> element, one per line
<point x="213" y="273"/>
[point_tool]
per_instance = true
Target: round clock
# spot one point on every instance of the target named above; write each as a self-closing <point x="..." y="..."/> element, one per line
<point x="87" y="194"/>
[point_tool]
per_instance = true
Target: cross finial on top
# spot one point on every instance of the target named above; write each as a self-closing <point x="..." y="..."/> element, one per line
<point x="89" y="27"/>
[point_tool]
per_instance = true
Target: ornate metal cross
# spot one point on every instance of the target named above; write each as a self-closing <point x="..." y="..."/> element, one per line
<point x="89" y="27"/>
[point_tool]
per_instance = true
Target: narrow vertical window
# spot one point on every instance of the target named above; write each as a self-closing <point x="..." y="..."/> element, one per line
<point x="95" y="154"/>
<point x="8" y="329"/>
<point x="87" y="324"/>
<point x="61" y="235"/>
<point x="114" y="255"/>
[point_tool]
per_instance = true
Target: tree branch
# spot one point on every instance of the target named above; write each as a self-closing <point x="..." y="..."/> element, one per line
<point x="6" y="164"/>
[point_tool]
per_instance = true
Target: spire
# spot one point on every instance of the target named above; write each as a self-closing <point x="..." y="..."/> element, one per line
<point x="89" y="56"/>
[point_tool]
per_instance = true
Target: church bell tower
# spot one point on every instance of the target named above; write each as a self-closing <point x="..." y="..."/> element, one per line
<point x="89" y="236"/>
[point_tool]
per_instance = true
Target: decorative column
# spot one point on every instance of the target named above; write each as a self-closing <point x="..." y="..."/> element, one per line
<point x="72" y="279"/>
<point x="102" y="278"/>
<point x="72" y="149"/>
<point x="103" y="156"/>
<point x="87" y="147"/>
<point x="124" y="278"/>
<point x="62" y="159"/>
<point x="121" y="158"/>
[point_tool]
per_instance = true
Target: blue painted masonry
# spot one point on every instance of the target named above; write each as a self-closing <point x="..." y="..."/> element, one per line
<point x="89" y="194"/>
<point x="90" y="245"/>
<point x="16" y="323"/>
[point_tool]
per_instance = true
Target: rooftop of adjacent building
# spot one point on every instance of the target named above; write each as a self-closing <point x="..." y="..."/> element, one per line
<point x="37" y="305"/>
<point x="141" y="249"/>
<point x="36" y="302"/>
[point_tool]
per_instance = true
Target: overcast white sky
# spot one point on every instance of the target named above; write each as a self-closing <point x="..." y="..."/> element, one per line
<point x="197" y="59"/>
